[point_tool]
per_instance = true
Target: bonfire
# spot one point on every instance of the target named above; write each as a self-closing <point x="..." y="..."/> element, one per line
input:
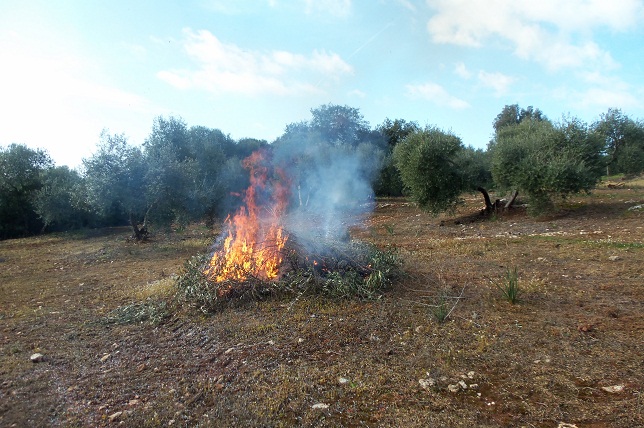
<point x="255" y="237"/>
<point x="266" y="248"/>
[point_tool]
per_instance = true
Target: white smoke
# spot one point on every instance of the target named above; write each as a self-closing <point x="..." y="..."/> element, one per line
<point x="331" y="189"/>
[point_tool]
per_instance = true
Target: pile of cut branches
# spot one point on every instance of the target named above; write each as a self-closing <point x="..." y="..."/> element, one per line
<point x="341" y="269"/>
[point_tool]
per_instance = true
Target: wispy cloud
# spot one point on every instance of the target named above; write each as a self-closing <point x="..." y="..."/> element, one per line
<point x="551" y="32"/>
<point x="437" y="94"/>
<point x="498" y="81"/>
<point x="226" y="67"/>
<point x="605" y="92"/>
<point x="604" y="98"/>
<point x="461" y="71"/>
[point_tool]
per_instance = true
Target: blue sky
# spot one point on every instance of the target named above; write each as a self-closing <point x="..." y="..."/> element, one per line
<point x="250" y="67"/>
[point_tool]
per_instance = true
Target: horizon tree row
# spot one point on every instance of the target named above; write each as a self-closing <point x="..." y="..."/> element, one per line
<point x="182" y="174"/>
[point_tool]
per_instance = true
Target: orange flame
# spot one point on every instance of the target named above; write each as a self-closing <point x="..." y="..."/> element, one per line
<point x="255" y="238"/>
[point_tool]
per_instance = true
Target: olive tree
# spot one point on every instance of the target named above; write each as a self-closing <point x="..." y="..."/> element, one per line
<point x="60" y="201"/>
<point x="388" y="182"/>
<point x="436" y="168"/>
<point x="115" y="182"/>
<point x="623" y="140"/>
<point x="21" y="170"/>
<point x="546" y="160"/>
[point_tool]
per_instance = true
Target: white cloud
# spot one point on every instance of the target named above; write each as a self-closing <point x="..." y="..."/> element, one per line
<point x="554" y="33"/>
<point x="437" y="94"/>
<point x="461" y="71"/>
<point x="498" y="81"/>
<point x="603" y="99"/>
<point x="605" y="92"/>
<point x="225" y="67"/>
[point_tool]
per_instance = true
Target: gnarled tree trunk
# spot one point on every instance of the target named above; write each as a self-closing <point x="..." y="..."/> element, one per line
<point x="138" y="233"/>
<point x="489" y="207"/>
<point x="512" y="199"/>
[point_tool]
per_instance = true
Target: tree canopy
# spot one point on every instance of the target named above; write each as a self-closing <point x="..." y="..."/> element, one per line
<point x="545" y="160"/>
<point x="21" y="170"/>
<point x="623" y="140"/>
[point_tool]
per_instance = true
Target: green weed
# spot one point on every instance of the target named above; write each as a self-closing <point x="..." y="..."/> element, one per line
<point x="441" y="310"/>
<point x="510" y="286"/>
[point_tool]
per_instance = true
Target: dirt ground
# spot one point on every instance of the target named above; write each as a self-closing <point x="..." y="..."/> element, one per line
<point x="116" y="352"/>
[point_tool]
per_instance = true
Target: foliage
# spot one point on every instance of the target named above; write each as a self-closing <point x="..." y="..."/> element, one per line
<point x="339" y="124"/>
<point x="388" y="182"/>
<point x="21" y="170"/>
<point x="545" y="160"/>
<point x="60" y="201"/>
<point x="513" y="115"/>
<point x="427" y="161"/>
<point x="476" y="167"/>
<point x="441" y="310"/>
<point x="115" y="179"/>
<point x="182" y="174"/>
<point x="510" y="287"/>
<point x="623" y="142"/>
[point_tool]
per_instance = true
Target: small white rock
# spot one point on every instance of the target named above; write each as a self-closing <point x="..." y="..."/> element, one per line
<point x="471" y="374"/>
<point x="37" y="358"/>
<point x="114" y="416"/>
<point x="320" y="406"/>
<point x="426" y="383"/>
<point x="453" y="388"/>
<point x="343" y="380"/>
<point x="614" y="389"/>
<point x="462" y="384"/>
<point x="613" y="258"/>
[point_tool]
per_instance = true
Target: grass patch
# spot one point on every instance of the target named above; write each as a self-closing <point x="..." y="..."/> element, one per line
<point x="510" y="285"/>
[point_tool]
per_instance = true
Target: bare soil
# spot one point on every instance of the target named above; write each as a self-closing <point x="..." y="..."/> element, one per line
<point x="116" y="351"/>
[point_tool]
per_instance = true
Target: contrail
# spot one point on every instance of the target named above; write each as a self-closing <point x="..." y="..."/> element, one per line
<point x="364" y="45"/>
<point x="371" y="39"/>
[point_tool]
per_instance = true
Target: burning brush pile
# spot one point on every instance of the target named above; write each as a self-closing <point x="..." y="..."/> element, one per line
<point x="269" y="249"/>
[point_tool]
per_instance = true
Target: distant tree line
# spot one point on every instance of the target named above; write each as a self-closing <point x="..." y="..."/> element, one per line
<point x="182" y="174"/>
